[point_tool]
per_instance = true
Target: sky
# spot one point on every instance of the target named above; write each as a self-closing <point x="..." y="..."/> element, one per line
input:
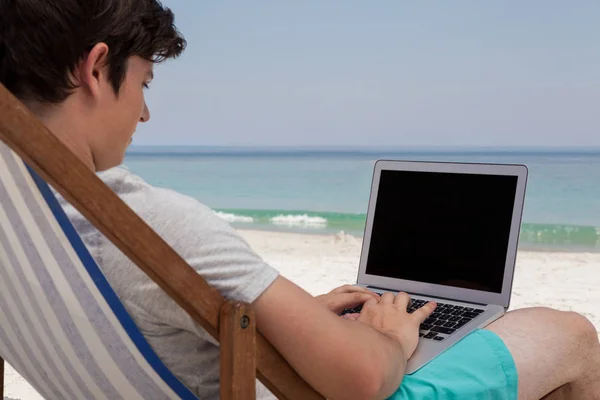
<point x="347" y="73"/>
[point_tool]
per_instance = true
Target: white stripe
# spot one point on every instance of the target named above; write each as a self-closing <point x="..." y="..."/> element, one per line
<point x="100" y="300"/>
<point x="33" y="317"/>
<point x="78" y="315"/>
<point x="55" y="326"/>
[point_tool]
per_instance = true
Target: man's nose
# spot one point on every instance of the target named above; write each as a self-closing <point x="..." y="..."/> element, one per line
<point x="145" y="114"/>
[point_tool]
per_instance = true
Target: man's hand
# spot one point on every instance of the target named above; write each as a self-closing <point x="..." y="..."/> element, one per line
<point x="389" y="317"/>
<point x="326" y="350"/>
<point x="347" y="296"/>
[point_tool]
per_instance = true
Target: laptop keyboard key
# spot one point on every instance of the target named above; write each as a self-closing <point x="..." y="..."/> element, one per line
<point x="438" y="338"/>
<point x="470" y="315"/>
<point x="441" y="329"/>
<point x="430" y="335"/>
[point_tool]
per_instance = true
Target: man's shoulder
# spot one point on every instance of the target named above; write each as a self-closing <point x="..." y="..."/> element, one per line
<point x="157" y="205"/>
<point x="208" y="243"/>
<point x="185" y="223"/>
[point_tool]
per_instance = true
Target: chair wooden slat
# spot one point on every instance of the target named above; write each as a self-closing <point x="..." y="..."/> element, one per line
<point x="56" y="164"/>
<point x="238" y="352"/>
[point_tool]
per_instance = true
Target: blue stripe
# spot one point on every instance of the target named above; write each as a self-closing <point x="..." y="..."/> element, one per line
<point x="54" y="297"/>
<point x="109" y="294"/>
<point x="138" y="378"/>
<point x="40" y="317"/>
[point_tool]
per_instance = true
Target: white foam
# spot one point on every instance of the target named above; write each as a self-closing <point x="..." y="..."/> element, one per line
<point x="299" y="220"/>
<point x="234" y="217"/>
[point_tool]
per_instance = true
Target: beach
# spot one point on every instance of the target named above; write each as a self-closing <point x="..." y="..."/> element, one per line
<point x="318" y="263"/>
<point x="566" y="281"/>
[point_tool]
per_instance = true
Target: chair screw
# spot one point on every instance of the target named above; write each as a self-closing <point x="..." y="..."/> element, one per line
<point x="244" y="322"/>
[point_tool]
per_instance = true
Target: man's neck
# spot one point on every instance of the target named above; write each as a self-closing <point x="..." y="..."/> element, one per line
<point x="68" y="129"/>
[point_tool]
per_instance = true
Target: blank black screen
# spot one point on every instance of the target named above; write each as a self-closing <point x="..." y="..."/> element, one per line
<point x="443" y="228"/>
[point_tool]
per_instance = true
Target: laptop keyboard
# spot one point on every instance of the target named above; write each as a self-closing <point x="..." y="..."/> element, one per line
<point x="445" y="320"/>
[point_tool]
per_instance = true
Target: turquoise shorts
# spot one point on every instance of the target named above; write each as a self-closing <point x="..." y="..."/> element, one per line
<point x="477" y="367"/>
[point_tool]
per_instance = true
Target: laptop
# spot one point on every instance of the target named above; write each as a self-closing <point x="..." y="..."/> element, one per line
<point x="446" y="232"/>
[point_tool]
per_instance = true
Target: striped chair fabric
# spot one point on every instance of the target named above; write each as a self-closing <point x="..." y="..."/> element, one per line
<point x="62" y="327"/>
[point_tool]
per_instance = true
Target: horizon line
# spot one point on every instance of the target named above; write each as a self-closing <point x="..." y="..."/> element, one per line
<point x="182" y="148"/>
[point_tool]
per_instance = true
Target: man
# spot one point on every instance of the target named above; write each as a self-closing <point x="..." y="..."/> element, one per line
<point x="81" y="67"/>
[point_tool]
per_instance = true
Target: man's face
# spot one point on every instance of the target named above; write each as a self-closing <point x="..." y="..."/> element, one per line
<point x="118" y="116"/>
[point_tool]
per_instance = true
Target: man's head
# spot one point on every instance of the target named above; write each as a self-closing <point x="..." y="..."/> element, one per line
<point x="82" y="65"/>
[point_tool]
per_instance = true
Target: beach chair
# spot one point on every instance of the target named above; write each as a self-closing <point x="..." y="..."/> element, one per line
<point x="62" y="327"/>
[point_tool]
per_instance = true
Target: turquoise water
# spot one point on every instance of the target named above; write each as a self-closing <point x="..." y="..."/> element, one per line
<point x="328" y="191"/>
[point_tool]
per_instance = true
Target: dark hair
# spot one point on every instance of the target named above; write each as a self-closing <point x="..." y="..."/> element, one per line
<point x="42" y="41"/>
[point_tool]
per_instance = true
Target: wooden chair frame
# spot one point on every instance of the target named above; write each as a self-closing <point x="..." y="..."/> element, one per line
<point x="245" y="353"/>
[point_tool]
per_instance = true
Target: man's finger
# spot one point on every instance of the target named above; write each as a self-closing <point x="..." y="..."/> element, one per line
<point x="387" y="298"/>
<point x="339" y="302"/>
<point x="372" y="301"/>
<point x="343" y="289"/>
<point x="353" y="289"/>
<point x="402" y="300"/>
<point x="422" y="313"/>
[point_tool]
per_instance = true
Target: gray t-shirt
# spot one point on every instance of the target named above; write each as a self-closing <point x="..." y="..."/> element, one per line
<point x="208" y="244"/>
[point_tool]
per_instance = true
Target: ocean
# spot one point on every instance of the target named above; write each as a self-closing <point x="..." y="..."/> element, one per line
<point x="327" y="191"/>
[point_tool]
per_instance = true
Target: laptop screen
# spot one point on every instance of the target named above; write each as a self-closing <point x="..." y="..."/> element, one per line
<point x="448" y="229"/>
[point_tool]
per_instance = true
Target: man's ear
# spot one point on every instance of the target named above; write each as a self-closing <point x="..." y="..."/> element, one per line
<point x="92" y="71"/>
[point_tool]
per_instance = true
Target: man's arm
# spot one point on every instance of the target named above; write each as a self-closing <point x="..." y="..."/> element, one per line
<point x="339" y="358"/>
<point x="336" y="356"/>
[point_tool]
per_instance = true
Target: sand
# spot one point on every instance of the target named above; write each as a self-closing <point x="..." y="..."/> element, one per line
<point x="319" y="263"/>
